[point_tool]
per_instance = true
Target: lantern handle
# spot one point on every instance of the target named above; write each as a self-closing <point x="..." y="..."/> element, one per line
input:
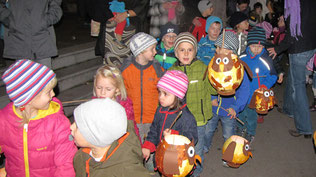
<point x="175" y="120"/>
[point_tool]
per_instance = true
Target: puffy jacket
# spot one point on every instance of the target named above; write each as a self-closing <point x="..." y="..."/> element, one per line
<point x="198" y="97"/>
<point x="123" y="159"/>
<point x="206" y="50"/>
<point x="42" y="148"/>
<point x="141" y="86"/>
<point x="29" y="31"/>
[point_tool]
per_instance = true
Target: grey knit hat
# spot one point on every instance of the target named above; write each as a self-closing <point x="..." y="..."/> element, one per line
<point x="204" y="5"/>
<point x="140" y="42"/>
<point x="185" y="37"/>
<point x="101" y="121"/>
<point x="231" y="41"/>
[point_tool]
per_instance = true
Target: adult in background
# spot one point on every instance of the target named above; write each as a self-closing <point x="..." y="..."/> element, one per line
<point x="29" y="31"/>
<point x="233" y="6"/>
<point x="300" y="43"/>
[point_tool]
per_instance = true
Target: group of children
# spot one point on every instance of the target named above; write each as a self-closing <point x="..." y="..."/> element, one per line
<point x="134" y="107"/>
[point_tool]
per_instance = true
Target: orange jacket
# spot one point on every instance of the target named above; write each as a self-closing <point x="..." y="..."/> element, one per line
<point x="141" y="86"/>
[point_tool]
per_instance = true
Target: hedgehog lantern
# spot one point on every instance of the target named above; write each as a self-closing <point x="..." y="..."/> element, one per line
<point x="175" y="156"/>
<point x="236" y="151"/>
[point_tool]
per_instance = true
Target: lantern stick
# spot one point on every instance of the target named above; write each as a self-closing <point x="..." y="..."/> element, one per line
<point x="75" y="101"/>
<point x="175" y="120"/>
<point x="257" y="71"/>
<point x="240" y="121"/>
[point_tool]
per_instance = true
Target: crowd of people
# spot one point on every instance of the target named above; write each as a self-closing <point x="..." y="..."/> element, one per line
<point x="159" y="90"/>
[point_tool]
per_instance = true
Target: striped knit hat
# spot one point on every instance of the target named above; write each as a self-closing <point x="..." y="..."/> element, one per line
<point x="231" y="41"/>
<point x="256" y="35"/>
<point x="185" y="37"/>
<point x="175" y="82"/>
<point x="25" y="79"/>
<point x="140" y="42"/>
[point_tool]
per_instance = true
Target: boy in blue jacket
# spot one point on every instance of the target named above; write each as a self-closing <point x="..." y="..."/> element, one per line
<point x="257" y="58"/>
<point x="226" y="108"/>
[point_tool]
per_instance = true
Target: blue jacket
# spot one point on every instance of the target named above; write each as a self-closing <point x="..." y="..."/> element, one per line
<point x="264" y="63"/>
<point x="237" y="101"/>
<point x="206" y="50"/>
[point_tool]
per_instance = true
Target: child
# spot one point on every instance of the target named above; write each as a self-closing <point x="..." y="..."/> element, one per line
<point x="206" y="9"/>
<point x="206" y="47"/>
<point x="34" y="134"/>
<point x="172" y="88"/>
<point x="257" y="58"/>
<point x="199" y="92"/>
<point x="226" y="108"/>
<point x="165" y="52"/>
<point x="108" y="147"/>
<point x="239" y="21"/>
<point x="257" y="13"/>
<point x="108" y="83"/>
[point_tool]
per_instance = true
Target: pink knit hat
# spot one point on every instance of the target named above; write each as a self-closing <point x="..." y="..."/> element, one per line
<point x="175" y="82"/>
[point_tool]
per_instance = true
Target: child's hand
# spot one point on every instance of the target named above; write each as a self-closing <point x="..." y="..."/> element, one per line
<point x="166" y="132"/>
<point x="146" y="153"/>
<point x="280" y="80"/>
<point x="168" y="5"/>
<point x="214" y="103"/>
<point x="196" y="22"/>
<point x="272" y="52"/>
<point x="231" y="113"/>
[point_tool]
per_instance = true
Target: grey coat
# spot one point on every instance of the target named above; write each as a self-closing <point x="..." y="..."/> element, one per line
<point x="29" y="31"/>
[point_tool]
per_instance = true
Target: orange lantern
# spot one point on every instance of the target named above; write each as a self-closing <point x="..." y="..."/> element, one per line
<point x="175" y="156"/>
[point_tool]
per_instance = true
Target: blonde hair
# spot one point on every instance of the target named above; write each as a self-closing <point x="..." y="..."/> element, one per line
<point x="26" y="116"/>
<point x="110" y="71"/>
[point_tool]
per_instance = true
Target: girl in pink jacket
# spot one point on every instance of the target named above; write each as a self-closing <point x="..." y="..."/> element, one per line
<point x="34" y="132"/>
<point x="109" y="83"/>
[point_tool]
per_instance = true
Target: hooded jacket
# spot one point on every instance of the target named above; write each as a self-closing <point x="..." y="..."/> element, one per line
<point x="40" y="148"/>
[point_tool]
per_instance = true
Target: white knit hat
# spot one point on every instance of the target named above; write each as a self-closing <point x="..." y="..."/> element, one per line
<point x="140" y="42"/>
<point x="101" y="121"/>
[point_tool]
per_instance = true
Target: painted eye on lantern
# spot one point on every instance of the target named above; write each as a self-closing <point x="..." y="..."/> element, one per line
<point x="266" y="94"/>
<point x="191" y="151"/>
<point x="218" y="60"/>
<point x="271" y="93"/>
<point x="247" y="147"/>
<point x="225" y="60"/>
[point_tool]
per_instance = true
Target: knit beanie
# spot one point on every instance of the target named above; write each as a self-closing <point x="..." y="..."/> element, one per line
<point x="210" y="20"/>
<point x="101" y="121"/>
<point x="237" y="18"/>
<point x="168" y="28"/>
<point x="140" y="42"/>
<point x="175" y="82"/>
<point x="267" y="27"/>
<point x="24" y="79"/>
<point x="231" y="41"/>
<point x="204" y="5"/>
<point x="256" y="35"/>
<point x="185" y="37"/>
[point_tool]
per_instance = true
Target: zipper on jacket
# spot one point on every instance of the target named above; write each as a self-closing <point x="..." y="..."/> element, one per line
<point x="164" y="59"/>
<point x="141" y="96"/>
<point x="25" y="151"/>
<point x="202" y="110"/>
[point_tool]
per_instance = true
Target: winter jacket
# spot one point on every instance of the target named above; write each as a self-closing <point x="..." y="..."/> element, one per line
<point x="29" y="31"/>
<point x="141" y="86"/>
<point x="198" y="97"/>
<point x="185" y="125"/>
<point x="206" y="50"/>
<point x="264" y="63"/>
<point x="237" y="101"/>
<point x="40" y="148"/>
<point x="242" y="38"/>
<point x="170" y="59"/>
<point x="123" y="159"/>
<point x="199" y="31"/>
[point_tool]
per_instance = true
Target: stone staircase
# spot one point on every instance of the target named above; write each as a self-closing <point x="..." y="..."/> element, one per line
<point x="75" y="67"/>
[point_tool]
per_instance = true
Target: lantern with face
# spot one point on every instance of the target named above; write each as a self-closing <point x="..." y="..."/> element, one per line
<point x="175" y="156"/>
<point x="236" y="151"/>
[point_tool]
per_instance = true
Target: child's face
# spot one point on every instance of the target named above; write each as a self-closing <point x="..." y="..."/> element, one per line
<point x="242" y="6"/>
<point x="258" y="11"/>
<point x="256" y="48"/>
<point x="104" y="87"/>
<point x="281" y="22"/>
<point x="166" y="99"/>
<point x="43" y="99"/>
<point x="208" y="12"/>
<point x="79" y="140"/>
<point x="244" y="25"/>
<point x="148" y="54"/>
<point x="185" y="53"/>
<point x="213" y="31"/>
<point x="168" y="40"/>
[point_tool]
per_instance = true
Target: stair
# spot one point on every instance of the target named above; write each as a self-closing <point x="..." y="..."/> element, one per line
<point x="74" y="67"/>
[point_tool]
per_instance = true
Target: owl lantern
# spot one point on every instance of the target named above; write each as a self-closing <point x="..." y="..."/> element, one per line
<point x="236" y="151"/>
<point x="175" y="156"/>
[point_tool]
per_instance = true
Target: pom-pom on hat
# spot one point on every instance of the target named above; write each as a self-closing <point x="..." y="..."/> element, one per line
<point x="210" y="20"/>
<point x="140" y="42"/>
<point x="256" y="35"/>
<point x="168" y="28"/>
<point x="237" y="18"/>
<point x="204" y="5"/>
<point x="24" y="79"/>
<point x="101" y="121"/>
<point x="230" y="42"/>
<point x="175" y="82"/>
<point x="185" y="37"/>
